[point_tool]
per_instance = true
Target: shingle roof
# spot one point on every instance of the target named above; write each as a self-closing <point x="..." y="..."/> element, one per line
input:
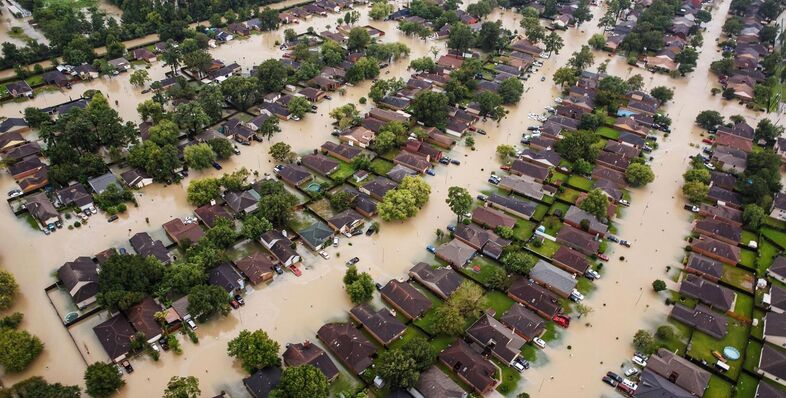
<point x="311" y="354"/>
<point x="712" y="294"/>
<point x="408" y="299"/>
<point x="455" y="252"/>
<point x="683" y="373"/>
<point x="115" y="335"/>
<point x="773" y="361"/>
<point x="552" y="277"/>
<point x="487" y="331"/>
<point x="433" y="383"/>
<point x="701" y="318"/>
<point x="470" y="365"/>
<point x="381" y="324"/>
<point x="523" y="321"/>
<point x="348" y="344"/>
<point x="442" y="281"/>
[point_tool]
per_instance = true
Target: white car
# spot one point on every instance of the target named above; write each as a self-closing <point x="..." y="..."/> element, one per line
<point x="576" y="296"/>
<point x="335" y="241"/>
<point x="558" y="100"/>
<point x="324" y="254"/>
<point x="624" y="202"/>
<point x="594" y="274"/>
<point x="639" y="361"/>
<point x="631" y="372"/>
<point x="630" y="384"/>
<point x="539" y="342"/>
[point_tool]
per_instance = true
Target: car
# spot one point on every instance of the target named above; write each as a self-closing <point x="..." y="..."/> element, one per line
<point x="217" y="166"/>
<point x="641" y="361"/>
<point x="624" y="202"/>
<point x="709" y="166"/>
<point x="444" y="160"/>
<point x="313" y="107"/>
<point x="277" y="168"/>
<point x="533" y="128"/>
<point x="431" y="172"/>
<point x="561" y="320"/>
<point x="707" y="150"/>
<point x="602" y="257"/>
<point x="630" y="384"/>
<point x="591" y="274"/>
<point x="295" y="270"/>
<point x="235" y="150"/>
<point x="431" y="249"/>
<point x="15" y="193"/>
<point x="543" y="78"/>
<point x="539" y="342"/>
<point x="191" y="324"/>
<point x="612" y="238"/>
<point x="691" y="208"/>
<point x="335" y="133"/>
<point x="58" y="224"/>
<point x="347" y="234"/>
<point x="708" y="141"/>
<point x="625" y="243"/>
<point x="353" y="261"/>
<point x="370" y="231"/>
<point x="608" y="380"/>
<point x="617" y="378"/>
<point x="631" y="372"/>
<point x="576" y="296"/>
<point x="324" y="254"/>
<point x="558" y="100"/>
<point x="494" y="179"/>
<point x="327" y="97"/>
<point x="455" y="161"/>
<point x="451" y="228"/>
<point x="520" y="364"/>
<point x="652" y="137"/>
<point x="481" y="132"/>
<point x="163" y="343"/>
<point x="88" y="211"/>
<point x="378" y="285"/>
<point x="127" y="366"/>
<point x="240" y="300"/>
<point x="335" y="241"/>
<point x="234" y="304"/>
<point x="112" y="218"/>
<point x="278" y="269"/>
<point x="356" y="232"/>
<point x="550" y="108"/>
<point x="482" y="198"/>
<point x="626" y="389"/>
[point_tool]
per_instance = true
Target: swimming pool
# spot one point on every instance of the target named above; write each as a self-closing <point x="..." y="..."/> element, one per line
<point x="313" y="187"/>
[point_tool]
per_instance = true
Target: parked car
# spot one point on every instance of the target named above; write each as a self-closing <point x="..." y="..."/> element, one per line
<point x="591" y="274"/>
<point x="370" y="231"/>
<point x="602" y="257"/>
<point x="356" y="232"/>
<point x="113" y="217"/>
<point x="612" y="238"/>
<point x="234" y="304"/>
<point x="617" y="378"/>
<point x="444" y="160"/>
<point x="639" y="360"/>
<point x="378" y="286"/>
<point x="277" y="168"/>
<point x="481" y="132"/>
<point x="127" y="366"/>
<point x="235" y="150"/>
<point x="539" y="342"/>
<point x="576" y="296"/>
<point x="240" y="300"/>
<point x="431" y="249"/>
<point x="561" y="320"/>
<point x="353" y="261"/>
<point x="15" y="193"/>
<point x="295" y="270"/>
<point x="608" y="380"/>
<point x="163" y="343"/>
<point x="624" y="202"/>
<point x="455" y="161"/>
<point x="217" y="166"/>
<point x="520" y="364"/>
<point x="278" y="269"/>
<point x="335" y="241"/>
<point x="451" y="228"/>
<point x="630" y="384"/>
<point x="626" y="389"/>
<point x="191" y="324"/>
<point x="431" y="172"/>
<point x="691" y="208"/>
<point x="631" y="372"/>
<point x="533" y="128"/>
<point x="494" y="179"/>
<point x="625" y="243"/>
<point x="482" y="198"/>
<point x="324" y="254"/>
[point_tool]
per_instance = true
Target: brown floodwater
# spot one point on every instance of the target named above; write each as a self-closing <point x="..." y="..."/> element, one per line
<point x="291" y="309"/>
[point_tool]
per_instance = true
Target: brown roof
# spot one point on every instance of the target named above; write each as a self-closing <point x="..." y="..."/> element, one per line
<point x="476" y="370"/>
<point x="535" y="297"/>
<point x="701" y="318"/>
<point x="773" y="361"/>
<point x="307" y="353"/>
<point x="712" y="247"/>
<point x="571" y="259"/>
<point x="381" y="324"/>
<point x="487" y="331"/>
<point x="115" y="335"/>
<point x="319" y="163"/>
<point x="209" y="214"/>
<point x="455" y="253"/>
<point x="182" y="233"/>
<point x="523" y="321"/>
<point x="256" y="267"/>
<point x="491" y="218"/>
<point x="704" y="266"/>
<point x="142" y="316"/>
<point x="679" y="371"/>
<point x="442" y="281"/>
<point x="411" y="302"/>
<point x="712" y="294"/>
<point x="719" y="229"/>
<point x="578" y="239"/>
<point x="348" y="345"/>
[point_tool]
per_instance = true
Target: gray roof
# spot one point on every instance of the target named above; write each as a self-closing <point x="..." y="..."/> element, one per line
<point x="683" y="372"/>
<point x="442" y="281"/>
<point x="707" y="292"/>
<point x="489" y="331"/>
<point x="100" y="183"/>
<point x="652" y="385"/>
<point x="513" y="205"/>
<point x="701" y="318"/>
<point x="316" y="234"/>
<point x="455" y="252"/>
<point x="576" y="215"/>
<point x="433" y="383"/>
<point x="552" y="277"/>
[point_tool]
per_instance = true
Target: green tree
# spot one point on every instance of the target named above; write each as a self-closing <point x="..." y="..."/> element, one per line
<point x="423" y="64"/>
<point x="254" y="226"/>
<point x="398" y="369"/>
<point x="644" y="342"/>
<point x="359" y="286"/>
<point x="596" y="203"/>
<point x="398" y="205"/>
<point x="768" y="131"/>
<point x="448" y="321"/>
<point x="498" y="279"/>
<point x="695" y="191"/>
<point x="582" y="59"/>
<point x="18" y="349"/>
<point x="347" y="115"/>
<point x="272" y="76"/>
<point x="363" y="69"/>
<point x="419" y="349"/>
<point x="510" y="90"/>
<point x="491" y="37"/>
<point x="298" y="107"/>
<point x="358" y="39"/>
<point x="697" y="174"/>
<point x="638" y="174"/>
<point x="277" y="207"/>
<point x="37" y="387"/>
<point x="8" y="289"/>
<point x="341" y="201"/>
<point x="148" y="110"/>
<point x="460" y="37"/>
<point x="255" y="350"/>
<point x="553" y="43"/>
<point x="419" y="189"/>
<point x="280" y="151"/>
<point x="181" y="277"/>
<point x="518" y="261"/>
<point x="125" y="280"/>
<point x="662" y="93"/>
<point x="664" y="332"/>
<point x="460" y="201"/>
<point x="102" y="380"/>
<point x="753" y="216"/>
<point x="139" y="78"/>
<point x="221" y="147"/>
<point x="380" y="10"/>
<point x="431" y="108"/>
<point x="199" y="156"/>
<point x="206" y="300"/>
<point x="658" y="285"/>
<point x="182" y="387"/>
<point x="709" y="119"/>
<point x="305" y="381"/>
<point x="566" y="76"/>
<point x="201" y="192"/>
<point x="222" y="234"/>
<point x="269" y="127"/>
<point x="241" y="92"/>
<point x="597" y="41"/>
<point x="578" y="145"/>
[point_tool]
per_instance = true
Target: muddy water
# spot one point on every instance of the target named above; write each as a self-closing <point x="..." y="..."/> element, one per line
<point x="292" y="309"/>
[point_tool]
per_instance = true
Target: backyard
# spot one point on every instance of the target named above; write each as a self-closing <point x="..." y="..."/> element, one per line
<point x="702" y="346"/>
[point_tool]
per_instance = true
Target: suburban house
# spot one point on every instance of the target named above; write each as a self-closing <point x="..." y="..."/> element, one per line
<point x="19" y="89"/>
<point x="347" y="221"/>
<point x="679" y="371"/>
<point x="145" y="246"/>
<point x="471" y="367"/>
<point x="136" y="178"/>
<point x="349" y="345"/>
<point x="714" y="295"/>
<point x="775" y="329"/>
<point x="777" y="270"/>
<point x="455" y="253"/>
<point x="143" y="54"/>
<point x="481" y="239"/>
<point x="433" y="383"/>
<point x="716" y="250"/>
<point x="120" y="64"/>
<point x="527" y="187"/>
<point x="399" y="172"/>
<point x="718" y="229"/>
<point x="534" y="297"/>
<point x="242" y="202"/>
<point x="575" y="217"/>
<point x="75" y="195"/>
<point x="209" y="214"/>
<point x="320" y="163"/>
<point x="412" y="161"/>
<point x="262" y="382"/>
<point x="775" y="300"/>
<point x="523" y="322"/>
<point x="142" y="317"/>
<point x="512" y="205"/>
<point x="772" y="364"/>
<point x="701" y="318"/>
<point x="280" y="246"/>
<point x="42" y="209"/>
<point x="184" y="234"/>
<point x="225" y="276"/>
<point x="358" y="136"/>
<point x="570" y="260"/>
<point x="778" y="209"/>
<point x="406" y="299"/>
<point x="381" y="324"/>
<point x="115" y="335"/>
<point x="558" y="281"/>
<point x="308" y="353"/>
<point x="342" y="152"/>
<point x="80" y="280"/>
<point x="294" y="175"/>
<point x="378" y="187"/>
<point x="442" y="281"/>
<point x="257" y="267"/>
<point x="100" y="183"/>
<point x="720" y="212"/>
<point x="316" y="235"/>
<point x="578" y="239"/>
<point x="534" y="171"/>
<point x="491" y="334"/>
<point x="704" y="267"/>
<point x="490" y="218"/>
<point x="13" y="125"/>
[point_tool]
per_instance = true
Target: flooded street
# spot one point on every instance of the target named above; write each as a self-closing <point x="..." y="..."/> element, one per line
<point x="291" y="309"/>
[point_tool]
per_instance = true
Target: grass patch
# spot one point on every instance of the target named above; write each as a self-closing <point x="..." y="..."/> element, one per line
<point x="767" y="253"/>
<point x="608" y="132"/>
<point x="410" y="334"/>
<point x="547" y="249"/>
<point x="508" y="379"/>
<point x="345" y="170"/>
<point x="36" y="80"/>
<point x="743" y="305"/>
<point x="559" y="206"/>
<point x="30" y="220"/>
<point x="569" y="195"/>
<point x="748" y="236"/>
<point x="557" y="177"/>
<point x="523" y="230"/>
<point x="777" y="224"/>
<point x="540" y="212"/>
<point x="529" y="352"/>
<point x="752" y="354"/>
<point x="758" y="330"/>
<point x="702" y="346"/>
<point x="343" y="383"/>
<point x="585" y="286"/>
<point x="486" y="268"/>
<point x="748" y="258"/>
<point x="579" y="182"/>
<point x="778" y="237"/>
<point x="746" y="386"/>
<point x="499" y="301"/>
<point x="381" y="166"/>
<point x="552" y="332"/>
<point x="738" y="277"/>
<point x="679" y="342"/>
<point x="718" y="388"/>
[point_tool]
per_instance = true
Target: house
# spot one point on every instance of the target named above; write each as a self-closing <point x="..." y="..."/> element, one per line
<point x="704" y="267"/>
<point x="579" y="218"/>
<point x="262" y="382"/>
<point x="324" y="83"/>
<point x="471" y="367"/>
<point x="143" y="54"/>
<point x="714" y="295"/>
<point x="115" y="335"/>
<point x="181" y="308"/>
<point x="433" y="383"/>
<point x="547" y="158"/>
<point x="120" y="64"/>
<point x="136" y="178"/>
<point x="775" y="300"/>
<point x="210" y="213"/>
<point x="307" y="353"/>
<point x="312" y="94"/>
<point x="56" y="78"/>
<point x="481" y="239"/>
<point x="526" y="187"/>
<point x="10" y="141"/>
<point x="723" y="180"/>
<point x="398" y="172"/>
<point x="242" y="202"/>
<point x="729" y="159"/>
<point x="716" y="250"/>
<point x="605" y="173"/>
<point x="42" y="209"/>
<point x="294" y="175"/>
<point x="701" y="318"/>
<point x="442" y="281"/>
<point x="347" y="221"/>
<point x="653" y="385"/>
<point x="577" y="239"/>
<point x="679" y="371"/>
<point x="456" y="253"/>
<point x="347" y="344"/>
<point x="406" y="299"/>
<point x="526" y="47"/>
<point x="772" y="364"/>
<point x="37" y="180"/>
<point x="80" y="280"/>
<point x="778" y="209"/>
<point x="316" y="235"/>
<point x="512" y="205"/>
<point x="412" y="161"/>
<point x="358" y="136"/>
<point x="13" y="125"/>
<point x="491" y="334"/>
<point x="257" y="267"/>
<point x="490" y="218"/>
<point x="145" y="246"/>
<point x="766" y="390"/>
<point x="718" y="229"/>
<point x="25" y="167"/>
<point x="378" y="187"/>
<point x="534" y="171"/>
<point x="281" y="247"/>
<point x="558" y="281"/>
<point x="100" y="183"/>
<point x="142" y="318"/>
<point x="724" y="197"/>
<point x="534" y="297"/>
<point x="75" y="195"/>
<point x="342" y="152"/>
<point x="184" y="234"/>
<point x="19" y="89"/>
<point x="777" y="270"/>
<point x="382" y="325"/>
<point x="523" y="322"/>
<point x="570" y="260"/>
<point x="225" y="276"/>
<point x="775" y="328"/>
<point x="320" y="163"/>
<point x="720" y="212"/>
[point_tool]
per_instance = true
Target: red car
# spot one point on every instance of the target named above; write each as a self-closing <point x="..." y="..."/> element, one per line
<point x="603" y="257"/>
<point x="708" y="141"/>
<point x="295" y="270"/>
<point x="562" y="320"/>
<point x="506" y="168"/>
<point x="234" y="304"/>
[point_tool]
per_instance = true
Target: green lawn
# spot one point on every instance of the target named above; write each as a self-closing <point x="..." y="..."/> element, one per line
<point x="546" y="250"/>
<point x="746" y="386"/>
<point x="585" y="286"/>
<point x="499" y="301"/>
<point x="561" y="206"/>
<point x="381" y="166"/>
<point x="552" y="333"/>
<point x="738" y="277"/>
<point x="748" y="236"/>
<point x="411" y="333"/>
<point x="487" y="267"/>
<point x="752" y="354"/>
<point x="540" y="211"/>
<point x="557" y="176"/>
<point x="580" y="183"/>
<point x="569" y="195"/>
<point x="743" y="305"/>
<point x="679" y="342"/>
<point x="718" y="388"/>
<point x="702" y="346"/>
<point x="778" y="237"/>
<point x="748" y="258"/>
<point x="35" y="80"/>
<point x="509" y="379"/>
<point x="343" y="383"/>
<point x="523" y="230"/>
<point x="608" y="132"/>
<point x="767" y="252"/>
<point x="344" y="171"/>
<point x="777" y="224"/>
<point x="758" y="330"/>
